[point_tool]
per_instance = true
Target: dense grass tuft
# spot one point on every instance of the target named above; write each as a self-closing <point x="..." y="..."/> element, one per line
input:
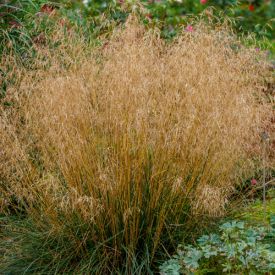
<point x="109" y="157"/>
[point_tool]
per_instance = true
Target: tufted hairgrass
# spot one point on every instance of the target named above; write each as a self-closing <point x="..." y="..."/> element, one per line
<point x="109" y="157"/>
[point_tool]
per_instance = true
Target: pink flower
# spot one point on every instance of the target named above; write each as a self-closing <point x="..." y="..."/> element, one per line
<point x="253" y="181"/>
<point x="203" y="2"/>
<point x="189" y="28"/>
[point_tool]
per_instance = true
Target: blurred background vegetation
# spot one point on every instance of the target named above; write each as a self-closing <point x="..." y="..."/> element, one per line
<point x="19" y="18"/>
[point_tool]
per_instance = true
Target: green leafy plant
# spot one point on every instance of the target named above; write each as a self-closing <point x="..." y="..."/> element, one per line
<point x="238" y="248"/>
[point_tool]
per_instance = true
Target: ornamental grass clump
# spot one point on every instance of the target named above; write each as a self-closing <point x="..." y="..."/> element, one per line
<point x="109" y="157"/>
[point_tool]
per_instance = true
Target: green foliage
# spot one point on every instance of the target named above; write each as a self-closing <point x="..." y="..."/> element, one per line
<point x="20" y="23"/>
<point x="255" y="15"/>
<point x="237" y="249"/>
<point x="31" y="249"/>
<point x="18" y="18"/>
<point x="256" y="213"/>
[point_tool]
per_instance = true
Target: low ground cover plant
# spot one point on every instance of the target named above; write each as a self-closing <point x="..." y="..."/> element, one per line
<point x="237" y="249"/>
<point x="110" y="153"/>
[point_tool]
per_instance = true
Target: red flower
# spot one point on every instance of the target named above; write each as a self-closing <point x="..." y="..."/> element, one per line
<point x="253" y="181"/>
<point x="203" y="2"/>
<point x="46" y="8"/>
<point x="251" y="7"/>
